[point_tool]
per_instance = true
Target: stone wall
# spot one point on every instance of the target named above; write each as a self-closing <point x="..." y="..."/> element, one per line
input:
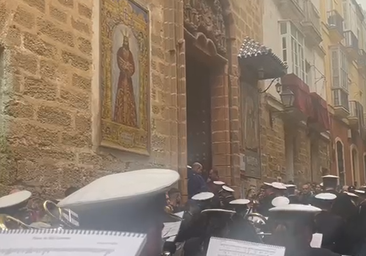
<point x="273" y="146"/>
<point x="49" y="83"/>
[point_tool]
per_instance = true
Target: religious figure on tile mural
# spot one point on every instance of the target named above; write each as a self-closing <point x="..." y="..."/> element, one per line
<point x="125" y="108"/>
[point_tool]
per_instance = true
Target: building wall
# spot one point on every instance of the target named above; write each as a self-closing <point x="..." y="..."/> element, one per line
<point x="340" y="129"/>
<point x="340" y="133"/>
<point x="50" y="99"/>
<point x="287" y="142"/>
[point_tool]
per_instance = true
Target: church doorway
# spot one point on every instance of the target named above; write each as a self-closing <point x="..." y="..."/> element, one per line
<point x="198" y="96"/>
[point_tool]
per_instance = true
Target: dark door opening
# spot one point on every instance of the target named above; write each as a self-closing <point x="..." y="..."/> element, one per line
<point x="198" y="113"/>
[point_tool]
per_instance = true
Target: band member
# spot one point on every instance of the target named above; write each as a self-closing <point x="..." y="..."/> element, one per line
<point x="291" y="194"/>
<point x="15" y="205"/>
<point x="226" y="195"/>
<point x="330" y="225"/>
<point x="130" y="201"/>
<point x="330" y="183"/>
<point x="293" y="228"/>
<point x="266" y="202"/>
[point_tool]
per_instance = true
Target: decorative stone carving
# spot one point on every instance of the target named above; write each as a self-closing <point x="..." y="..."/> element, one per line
<point x="206" y="16"/>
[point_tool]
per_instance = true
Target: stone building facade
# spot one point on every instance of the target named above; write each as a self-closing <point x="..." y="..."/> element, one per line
<point x="50" y="91"/>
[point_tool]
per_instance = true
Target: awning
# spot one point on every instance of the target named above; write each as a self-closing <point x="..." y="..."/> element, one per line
<point x="320" y="111"/>
<point x="301" y="92"/>
<point x="258" y="58"/>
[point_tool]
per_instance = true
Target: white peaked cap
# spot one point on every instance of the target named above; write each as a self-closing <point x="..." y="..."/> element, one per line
<point x="14" y="198"/>
<point x="240" y="202"/>
<point x="116" y="188"/>
<point x="360" y="191"/>
<point x="290" y="186"/>
<point x="189" y="167"/>
<point x="330" y="177"/>
<point x="267" y="184"/>
<point x="326" y="196"/>
<point x="280" y="200"/>
<point x="351" y="194"/>
<point x="203" y="196"/>
<point x="218" y="182"/>
<point x="228" y="189"/>
<point x="218" y="210"/>
<point x="300" y="208"/>
<point x="278" y="185"/>
<point x="321" y="184"/>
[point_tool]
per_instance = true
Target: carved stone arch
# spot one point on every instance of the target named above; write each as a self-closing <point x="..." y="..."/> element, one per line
<point x="208" y="25"/>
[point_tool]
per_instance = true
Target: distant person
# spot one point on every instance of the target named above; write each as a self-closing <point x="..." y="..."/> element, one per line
<point x="213" y="175"/>
<point x="196" y="183"/>
<point x="306" y="194"/>
<point x="174" y="200"/>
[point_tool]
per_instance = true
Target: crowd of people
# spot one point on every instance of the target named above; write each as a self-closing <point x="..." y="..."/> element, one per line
<point x="338" y="213"/>
<point x="144" y="201"/>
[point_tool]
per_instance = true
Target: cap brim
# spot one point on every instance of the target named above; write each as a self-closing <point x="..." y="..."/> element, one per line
<point x="117" y="188"/>
<point x="14" y="199"/>
<point x="203" y="196"/>
<point x="240" y="202"/>
<point x="218" y="211"/>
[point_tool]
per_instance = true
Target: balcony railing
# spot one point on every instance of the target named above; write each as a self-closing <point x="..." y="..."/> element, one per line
<point x="292" y="9"/>
<point x="350" y="40"/>
<point x="311" y="23"/>
<point x="335" y="25"/>
<point x="356" y="114"/>
<point x="361" y="61"/>
<point x="340" y="99"/>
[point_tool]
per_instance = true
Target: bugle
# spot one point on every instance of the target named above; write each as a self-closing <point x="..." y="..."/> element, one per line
<point x="8" y="222"/>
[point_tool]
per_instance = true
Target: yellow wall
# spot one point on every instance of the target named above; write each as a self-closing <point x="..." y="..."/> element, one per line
<point x="336" y="5"/>
<point x="356" y="86"/>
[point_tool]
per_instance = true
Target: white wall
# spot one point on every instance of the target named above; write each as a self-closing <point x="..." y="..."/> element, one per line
<point x="272" y="39"/>
<point x="271" y="35"/>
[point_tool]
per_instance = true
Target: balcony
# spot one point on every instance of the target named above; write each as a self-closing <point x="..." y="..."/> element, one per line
<point x="361" y="61"/>
<point x="355" y="118"/>
<point x="311" y="24"/>
<point x="319" y="121"/>
<point x="351" y="44"/>
<point x="340" y="102"/>
<point x="293" y="10"/>
<point x="335" y="26"/>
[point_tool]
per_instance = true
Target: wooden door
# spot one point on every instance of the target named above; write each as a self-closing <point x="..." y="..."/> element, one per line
<point x="198" y="114"/>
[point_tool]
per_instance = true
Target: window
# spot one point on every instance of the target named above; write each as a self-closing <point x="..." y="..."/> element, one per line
<point x="339" y="69"/>
<point x="340" y="163"/>
<point x="292" y="43"/>
<point x="355" y="167"/>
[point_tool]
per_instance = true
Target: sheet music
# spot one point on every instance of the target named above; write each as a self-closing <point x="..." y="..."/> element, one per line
<point x="170" y="230"/>
<point x="65" y="243"/>
<point x="317" y="240"/>
<point x="228" y="247"/>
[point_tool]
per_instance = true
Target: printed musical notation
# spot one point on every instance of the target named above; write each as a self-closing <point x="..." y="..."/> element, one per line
<point x="56" y="251"/>
<point x="55" y="242"/>
<point x="228" y="247"/>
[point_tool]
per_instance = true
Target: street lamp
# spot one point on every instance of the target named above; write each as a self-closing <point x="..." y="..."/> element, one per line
<point x="287" y="98"/>
<point x="278" y="87"/>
